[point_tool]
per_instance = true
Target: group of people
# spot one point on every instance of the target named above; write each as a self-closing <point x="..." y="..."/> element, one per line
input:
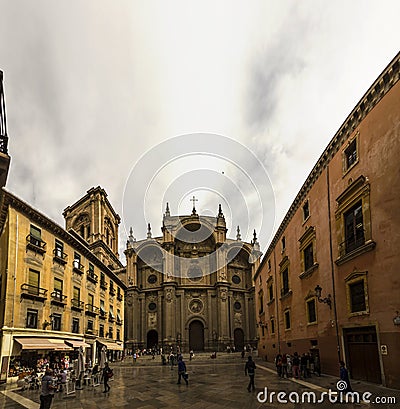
<point x="298" y="366"/>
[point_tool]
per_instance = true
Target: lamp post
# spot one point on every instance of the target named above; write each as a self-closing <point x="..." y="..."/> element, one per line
<point x="326" y="300"/>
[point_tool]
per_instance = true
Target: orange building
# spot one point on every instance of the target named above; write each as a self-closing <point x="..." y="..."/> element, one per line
<point x="328" y="282"/>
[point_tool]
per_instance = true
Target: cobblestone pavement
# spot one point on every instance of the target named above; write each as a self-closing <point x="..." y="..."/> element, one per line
<point x="213" y="384"/>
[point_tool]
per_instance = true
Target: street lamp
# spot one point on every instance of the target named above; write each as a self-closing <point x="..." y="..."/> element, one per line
<point x="326" y="300"/>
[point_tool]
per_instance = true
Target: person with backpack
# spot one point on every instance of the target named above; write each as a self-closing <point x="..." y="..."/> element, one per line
<point x="249" y="369"/>
<point x="107" y="374"/>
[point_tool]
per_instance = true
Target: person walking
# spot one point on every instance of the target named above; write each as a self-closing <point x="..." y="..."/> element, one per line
<point x="107" y="374"/>
<point x="48" y="388"/>
<point x="284" y="366"/>
<point x="249" y="369"/>
<point x="182" y="371"/>
<point x="296" y="365"/>
<point x="344" y="376"/>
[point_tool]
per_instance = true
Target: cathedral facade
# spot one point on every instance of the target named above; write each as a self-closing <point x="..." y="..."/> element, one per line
<point x="192" y="287"/>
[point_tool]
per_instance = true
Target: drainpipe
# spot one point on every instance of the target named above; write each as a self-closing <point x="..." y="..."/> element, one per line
<point x="332" y="266"/>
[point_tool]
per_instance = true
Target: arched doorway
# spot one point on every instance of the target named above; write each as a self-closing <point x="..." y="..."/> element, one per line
<point x="238" y="336"/>
<point x="196" y="336"/>
<point x="152" y="339"/>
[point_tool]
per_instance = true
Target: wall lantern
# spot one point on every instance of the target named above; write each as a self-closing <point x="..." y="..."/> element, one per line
<point x="326" y="300"/>
<point x="396" y="319"/>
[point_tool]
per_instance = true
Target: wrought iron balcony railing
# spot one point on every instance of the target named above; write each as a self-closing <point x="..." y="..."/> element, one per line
<point x="92" y="276"/>
<point x="58" y="297"/>
<point x="35" y="244"/>
<point x="91" y="310"/>
<point x="77" y="267"/>
<point x="33" y="292"/>
<point x="60" y="256"/>
<point x="77" y="304"/>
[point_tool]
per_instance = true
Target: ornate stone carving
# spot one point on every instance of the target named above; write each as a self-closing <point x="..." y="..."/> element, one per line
<point x="168" y="295"/>
<point x="196" y="306"/>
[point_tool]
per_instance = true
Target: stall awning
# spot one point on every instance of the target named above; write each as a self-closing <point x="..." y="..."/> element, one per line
<point x="43" y="343"/>
<point x="112" y="346"/>
<point x="76" y="343"/>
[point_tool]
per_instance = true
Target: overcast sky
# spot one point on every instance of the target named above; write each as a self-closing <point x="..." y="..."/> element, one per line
<point x="91" y="86"/>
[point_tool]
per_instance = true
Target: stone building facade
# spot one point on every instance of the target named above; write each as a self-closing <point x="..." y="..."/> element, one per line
<point x="329" y="281"/>
<point x="192" y="287"/>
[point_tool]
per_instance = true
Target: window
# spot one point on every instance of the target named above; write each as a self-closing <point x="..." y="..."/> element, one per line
<point x="91" y="268"/>
<point x="77" y="293"/>
<point x="311" y="311"/>
<point x="91" y="299"/>
<point x="271" y="292"/>
<point x="306" y="210"/>
<point x="261" y="302"/>
<point x="90" y="326"/>
<point x="77" y="261"/>
<point x="287" y="319"/>
<point x="283" y="243"/>
<point x="269" y="264"/>
<point x="102" y="278"/>
<point x="36" y="235"/>
<point x="58" y="249"/>
<point x="56" y="322"/>
<point x="118" y="335"/>
<point x="350" y="155"/>
<point x="285" y="281"/>
<point x="308" y="257"/>
<point x="308" y="242"/>
<point x="354" y="227"/>
<point x="75" y="325"/>
<point x="33" y="282"/>
<point x="119" y="319"/>
<point x="82" y="230"/>
<point x="357" y="296"/>
<point x="31" y="318"/>
<point x="102" y="308"/>
<point x="237" y="306"/>
<point x="152" y="279"/>
<point x="58" y="289"/>
<point x="236" y="279"/>
<point x="272" y="326"/>
<point x="101" y="331"/>
<point x="111" y="312"/>
<point x="353" y="221"/>
<point x="262" y="330"/>
<point x="88" y="231"/>
<point x="110" y="332"/>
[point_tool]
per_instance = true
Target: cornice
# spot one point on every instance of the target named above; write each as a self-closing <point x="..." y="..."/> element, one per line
<point x="381" y="86"/>
<point x="8" y="199"/>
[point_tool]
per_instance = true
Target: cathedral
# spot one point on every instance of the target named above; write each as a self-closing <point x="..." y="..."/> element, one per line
<point x="191" y="287"/>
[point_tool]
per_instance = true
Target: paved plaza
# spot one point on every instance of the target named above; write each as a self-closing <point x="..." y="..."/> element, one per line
<point x="213" y="384"/>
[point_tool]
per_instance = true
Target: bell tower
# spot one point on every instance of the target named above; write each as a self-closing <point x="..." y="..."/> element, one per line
<point x="93" y="218"/>
<point x="4" y="157"/>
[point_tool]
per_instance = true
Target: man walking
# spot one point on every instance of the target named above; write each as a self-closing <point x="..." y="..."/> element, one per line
<point x="107" y="374"/>
<point x="249" y="369"/>
<point x="182" y="370"/>
<point x="47" y="394"/>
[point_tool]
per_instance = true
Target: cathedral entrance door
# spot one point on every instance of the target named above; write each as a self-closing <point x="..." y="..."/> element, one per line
<point x="196" y="336"/>
<point x="238" y="337"/>
<point x="152" y="339"/>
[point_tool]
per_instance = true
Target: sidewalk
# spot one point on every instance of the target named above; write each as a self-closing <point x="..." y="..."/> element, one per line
<point x="329" y="382"/>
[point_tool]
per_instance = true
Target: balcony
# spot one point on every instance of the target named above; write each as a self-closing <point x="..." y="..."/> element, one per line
<point x="59" y="256"/>
<point x="112" y="291"/>
<point x="33" y="293"/>
<point x="350" y="245"/>
<point x="119" y="321"/>
<point x="58" y="298"/>
<point x="90" y="332"/>
<point x="35" y="244"/>
<point x="92" y="276"/>
<point x="285" y="292"/>
<point x="77" y="304"/>
<point x="119" y="297"/>
<point x="103" y="284"/>
<point x="103" y="314"/>
<point x="91" y="310"/>
<point x="354" y="247"/>
<point x="111" y="318"/>
<point x="77" y="267"/>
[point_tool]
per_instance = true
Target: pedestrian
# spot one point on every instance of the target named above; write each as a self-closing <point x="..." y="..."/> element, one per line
<point x="284" y="366"/>
<point x="48" y="388"/>
<point x="171" y="360"/>
<point x="182" y="371"/>
<point x="303" y="366"/>
<point x="134" y="357"/>
<point x="344" y="376"/>
<point x="249" y="369"/>
<point x="107" y="374"/>
<point x="317" y="365"/>
<point x="243" y="352"/>
<point x="296" y="365"/>
<point x="278" y="364"/>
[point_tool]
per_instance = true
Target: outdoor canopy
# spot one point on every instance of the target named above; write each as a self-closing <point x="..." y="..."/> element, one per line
<point x="43" y="343"/>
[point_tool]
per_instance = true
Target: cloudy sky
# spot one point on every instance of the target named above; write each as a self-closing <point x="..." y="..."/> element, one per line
<point x="93" y="86"/>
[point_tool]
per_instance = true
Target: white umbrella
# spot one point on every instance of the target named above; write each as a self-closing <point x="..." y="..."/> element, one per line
<point x="103" y="357"/>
